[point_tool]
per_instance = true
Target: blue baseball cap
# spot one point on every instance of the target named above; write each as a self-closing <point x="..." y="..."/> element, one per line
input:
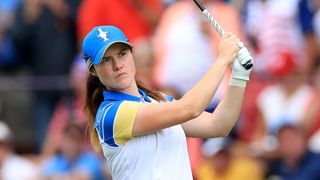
<point x="98" y="40"/>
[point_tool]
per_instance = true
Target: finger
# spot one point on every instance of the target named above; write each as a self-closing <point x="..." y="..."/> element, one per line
<point x="233" y="37"/>
<point x="244" y="56"/>
<point x="226" y="34"/>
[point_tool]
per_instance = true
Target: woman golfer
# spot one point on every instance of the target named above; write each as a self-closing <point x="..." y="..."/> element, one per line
<point x="143" y="132"/>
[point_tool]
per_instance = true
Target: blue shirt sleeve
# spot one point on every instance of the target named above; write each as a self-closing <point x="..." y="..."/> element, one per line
<point x="114" y="121"/>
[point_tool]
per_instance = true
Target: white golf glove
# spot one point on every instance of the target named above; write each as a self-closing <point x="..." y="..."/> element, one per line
<point x="240" y="75"/>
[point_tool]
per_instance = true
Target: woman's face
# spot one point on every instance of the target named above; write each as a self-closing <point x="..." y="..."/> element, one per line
<point x="117" y="69"/>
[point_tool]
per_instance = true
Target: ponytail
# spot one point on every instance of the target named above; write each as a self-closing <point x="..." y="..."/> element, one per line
<point x="94" y="98"/>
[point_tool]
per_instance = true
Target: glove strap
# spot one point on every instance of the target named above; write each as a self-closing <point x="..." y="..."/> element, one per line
<point x="237" y="82"/>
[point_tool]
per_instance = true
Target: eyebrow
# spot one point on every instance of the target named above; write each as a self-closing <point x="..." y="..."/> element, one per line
<point x="123" y="49"/>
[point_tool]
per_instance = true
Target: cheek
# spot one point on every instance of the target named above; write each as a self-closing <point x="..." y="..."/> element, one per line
<point x="132" y="67"/>
<point x="104" y="74"/>
<point x="106" y="79"/>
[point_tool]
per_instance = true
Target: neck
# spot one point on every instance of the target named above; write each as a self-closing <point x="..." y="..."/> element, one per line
<point x="132" y="90"/>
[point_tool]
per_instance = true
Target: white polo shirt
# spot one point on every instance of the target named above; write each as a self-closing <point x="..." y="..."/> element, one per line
<point x="160" y="155"/>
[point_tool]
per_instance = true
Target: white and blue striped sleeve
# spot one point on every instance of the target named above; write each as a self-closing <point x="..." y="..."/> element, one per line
<point x="114" y="122"/>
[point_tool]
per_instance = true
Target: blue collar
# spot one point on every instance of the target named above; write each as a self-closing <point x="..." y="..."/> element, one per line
<point x="118" y="96"/>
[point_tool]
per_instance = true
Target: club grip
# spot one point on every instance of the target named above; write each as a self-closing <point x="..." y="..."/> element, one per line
<point x="213" y="22"/>
<point x="248" y="65"/>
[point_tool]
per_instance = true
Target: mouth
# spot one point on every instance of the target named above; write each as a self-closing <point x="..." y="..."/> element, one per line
<point x="121" y="74"/>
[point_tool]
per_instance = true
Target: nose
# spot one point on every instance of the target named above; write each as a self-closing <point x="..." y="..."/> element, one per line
<point x="116" y="64"/>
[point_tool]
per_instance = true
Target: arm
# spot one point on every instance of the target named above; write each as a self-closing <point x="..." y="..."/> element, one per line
<point x="156" y="116"/>
<point x="220" y="122"/>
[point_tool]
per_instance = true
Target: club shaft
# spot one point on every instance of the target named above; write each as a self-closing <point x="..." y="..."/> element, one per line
<point x="218" y="28"/>
<point x="199" y="5"/>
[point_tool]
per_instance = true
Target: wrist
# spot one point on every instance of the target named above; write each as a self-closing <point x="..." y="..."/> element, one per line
<point x="222" y="63"/>
<point x="241" y="83"/>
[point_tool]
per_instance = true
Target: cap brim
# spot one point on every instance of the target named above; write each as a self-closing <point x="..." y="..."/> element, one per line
<point x="102" y="50"/>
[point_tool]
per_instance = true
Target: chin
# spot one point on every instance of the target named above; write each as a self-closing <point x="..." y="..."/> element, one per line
<point x="121" y="86"/>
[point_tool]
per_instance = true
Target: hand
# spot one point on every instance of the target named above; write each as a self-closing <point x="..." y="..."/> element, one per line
<point x="228" y="48"/>
<point x="238" y="71"/>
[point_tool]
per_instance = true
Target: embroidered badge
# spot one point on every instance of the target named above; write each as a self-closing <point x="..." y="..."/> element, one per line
<point x="103" y="35"/>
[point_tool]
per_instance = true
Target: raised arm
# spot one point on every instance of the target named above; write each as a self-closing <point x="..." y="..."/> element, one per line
<point x="221" y="121"/>
<point x="156" y="116"/>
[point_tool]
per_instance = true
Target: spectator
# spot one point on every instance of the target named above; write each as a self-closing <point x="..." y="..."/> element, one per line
<point x="221" y="163"/>
<point x="13" y="166"/>
<point x="294" y="160"/>
<point x="44" y="35"/>
<point x="11" y="68"/>
<point x="69" y="108"/>
<point x="273" y="30"/>
<point x="266" y="25"/>
<point x="72" y="162"/>
<point x="285" y="102"/>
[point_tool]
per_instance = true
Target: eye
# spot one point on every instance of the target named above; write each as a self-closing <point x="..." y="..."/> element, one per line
<point x="123" y="53"/>
<point x="105" y="59"/>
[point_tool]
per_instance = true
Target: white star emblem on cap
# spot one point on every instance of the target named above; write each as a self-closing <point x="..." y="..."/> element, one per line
<point x="103" y="35"/>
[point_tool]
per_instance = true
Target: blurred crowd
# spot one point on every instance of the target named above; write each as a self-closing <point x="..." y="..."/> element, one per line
<point x="43" y="131"/>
